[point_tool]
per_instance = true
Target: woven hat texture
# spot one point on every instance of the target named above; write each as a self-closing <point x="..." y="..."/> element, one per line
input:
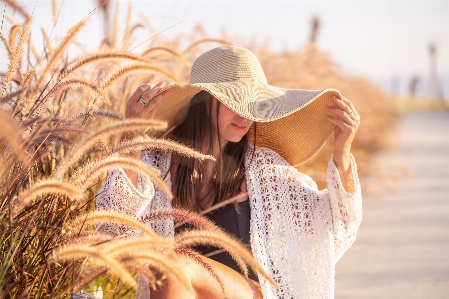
<point x="289" y="121"/>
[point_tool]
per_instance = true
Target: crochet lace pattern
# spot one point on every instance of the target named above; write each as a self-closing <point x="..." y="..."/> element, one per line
<point x="298" y="232"/>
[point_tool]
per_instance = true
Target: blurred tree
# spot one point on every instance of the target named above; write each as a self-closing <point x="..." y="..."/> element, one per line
<point x="315" y="29"/>
<point x="413" y="85"/>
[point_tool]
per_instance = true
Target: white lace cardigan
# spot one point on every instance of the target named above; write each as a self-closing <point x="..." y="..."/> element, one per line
<point x="298" y="232"/>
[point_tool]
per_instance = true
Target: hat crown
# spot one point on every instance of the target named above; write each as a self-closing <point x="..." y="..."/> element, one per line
<point x="226" y="64"/>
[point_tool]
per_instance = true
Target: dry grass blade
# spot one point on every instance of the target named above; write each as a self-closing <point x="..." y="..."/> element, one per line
<point x="5" y="42"/>
<point x="106" y="131"/>
<point x="108" y="217"/>
<point x="78" y="251"/>
<point x="17" y="56"/>
<point x="131" y="69"/>
<point x="138" y="144"/>
<point x="47" y="41"/>
<point x="86" y="175"/>
<point x="163" y="263"/>
<point x="238" y="252"/>
<point x="45" y="187"/>
<point x="12" y="34"/>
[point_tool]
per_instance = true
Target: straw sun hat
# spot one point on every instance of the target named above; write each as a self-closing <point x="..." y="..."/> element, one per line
<point x="289" y="121"/>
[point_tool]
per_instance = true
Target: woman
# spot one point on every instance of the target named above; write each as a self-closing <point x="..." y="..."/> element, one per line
<point x="256" y="132"/>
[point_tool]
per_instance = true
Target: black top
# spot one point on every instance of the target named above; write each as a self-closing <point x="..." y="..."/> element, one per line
<point x="234" y="223"/>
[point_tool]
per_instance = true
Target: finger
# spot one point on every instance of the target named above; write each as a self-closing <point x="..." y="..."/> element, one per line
<point x="338" y="113"/>
<point x="150" y="93"/>
<point x="340" y="104"/>
<point x="340" y="123"/>
<point x="154" y="103"/>
<point x="351" y="106"/>
<point x="139" y="92"/>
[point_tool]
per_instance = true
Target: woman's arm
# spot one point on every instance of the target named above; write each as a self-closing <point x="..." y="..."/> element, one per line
<point x="347" y="121"/>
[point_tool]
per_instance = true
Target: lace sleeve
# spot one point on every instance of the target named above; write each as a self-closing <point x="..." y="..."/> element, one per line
<point x="119" y="194"/>
<point x="346" y="208"/>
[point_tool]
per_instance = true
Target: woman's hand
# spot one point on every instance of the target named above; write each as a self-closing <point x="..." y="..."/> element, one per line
<point x="143" y="103"/>
<point x="345" y="116"/>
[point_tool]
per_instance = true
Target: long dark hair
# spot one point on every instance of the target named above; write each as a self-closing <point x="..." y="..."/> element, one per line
<point x="197" y="131"/>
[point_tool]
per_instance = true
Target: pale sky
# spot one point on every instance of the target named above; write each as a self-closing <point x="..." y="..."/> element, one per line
<point x="375" y="39"/>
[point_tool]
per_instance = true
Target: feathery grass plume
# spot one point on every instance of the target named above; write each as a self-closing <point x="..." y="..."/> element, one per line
<point x="108" y="130"/>
<point x="55" y="134"/>
<point x="17" y="56"/>
<point x="5" y="42"/>
<point x="131" y="69"/>
<point x="85" y="237"/>
<point x="200" y="260"/>
<point x="122" y="247"/>
<point x="140" y="143"/>
<point x="163" y="263"/>
<point x="165" y="49"/>
<point x="230" y="244"/>
<point x="100" y="113"/>
<point x="74" y="83"/>
<point x="144" y="271"/>
<point x="206" y="40"/>
<point x="182" y="215"/>
<point x="50" y="137"/>
<point x="47" y="186"/>
<point x="47" y="41"/>
<point x="9" y="96"/>
<point x="84" y="176"/>
<point x="194" y="216"/>
<point x="28" y="77"/>
<point x="9" y="133"/>
<point x="91" y="274"/>
<point x="89" y="59"/>
<point x="58" y="52"/>
<point x="17" y="7"/>
<point x="12" y="34"/>
<point x="78" y="251"/>
<point x="99" y="217"/>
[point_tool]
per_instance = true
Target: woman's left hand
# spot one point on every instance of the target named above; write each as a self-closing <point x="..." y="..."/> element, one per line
<point x="345" y="116"/>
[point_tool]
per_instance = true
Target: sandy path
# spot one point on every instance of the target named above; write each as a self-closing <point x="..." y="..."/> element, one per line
<point x="402" y="248"/>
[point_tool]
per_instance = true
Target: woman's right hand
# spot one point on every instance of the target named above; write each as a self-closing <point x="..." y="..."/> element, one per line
<point x="136" y="109"/>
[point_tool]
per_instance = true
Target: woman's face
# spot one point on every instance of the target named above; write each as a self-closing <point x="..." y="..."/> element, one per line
<point x="231" y="125"/>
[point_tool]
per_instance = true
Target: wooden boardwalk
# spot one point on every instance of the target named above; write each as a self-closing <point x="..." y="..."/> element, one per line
<point x="402" y="247"/>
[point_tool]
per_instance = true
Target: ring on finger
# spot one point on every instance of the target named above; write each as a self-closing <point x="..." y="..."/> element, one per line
<point x="142" y="101"/>
<point x="351" y="113"/>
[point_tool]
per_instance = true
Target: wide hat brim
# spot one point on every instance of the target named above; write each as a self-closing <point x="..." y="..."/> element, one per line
<point x="291" y="122"/>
